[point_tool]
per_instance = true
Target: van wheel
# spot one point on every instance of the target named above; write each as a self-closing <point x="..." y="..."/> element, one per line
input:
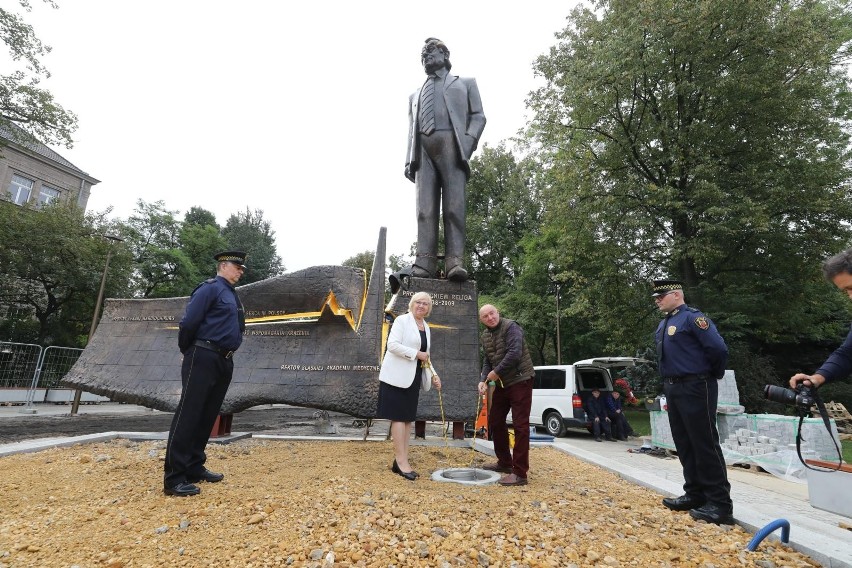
<point x="554" y="425"/>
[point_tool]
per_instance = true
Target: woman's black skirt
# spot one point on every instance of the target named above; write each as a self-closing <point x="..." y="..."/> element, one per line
<point x="399" y="404"/>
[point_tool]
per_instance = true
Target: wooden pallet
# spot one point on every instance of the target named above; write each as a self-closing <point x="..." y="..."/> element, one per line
<point x="837" y="412"/>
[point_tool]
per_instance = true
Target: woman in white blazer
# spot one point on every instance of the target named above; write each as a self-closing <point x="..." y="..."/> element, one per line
<point x="402" y="376"/>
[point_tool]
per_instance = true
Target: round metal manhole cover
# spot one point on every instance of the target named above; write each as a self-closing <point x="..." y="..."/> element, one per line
<point x="466" y="476"/>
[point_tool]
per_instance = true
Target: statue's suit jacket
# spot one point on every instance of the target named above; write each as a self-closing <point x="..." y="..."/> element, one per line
<point x="465" y="111"/>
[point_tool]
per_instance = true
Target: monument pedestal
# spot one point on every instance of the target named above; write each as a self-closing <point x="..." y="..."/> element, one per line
<point x="454" y="325"/>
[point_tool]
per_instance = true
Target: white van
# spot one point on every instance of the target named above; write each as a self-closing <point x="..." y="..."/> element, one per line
<point x="560" y="391"/>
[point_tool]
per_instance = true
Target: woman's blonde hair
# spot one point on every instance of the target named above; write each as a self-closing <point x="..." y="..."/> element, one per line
<point x="420" y="296"/>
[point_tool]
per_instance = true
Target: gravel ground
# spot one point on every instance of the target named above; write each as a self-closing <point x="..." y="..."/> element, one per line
<point x="323" y="504"/>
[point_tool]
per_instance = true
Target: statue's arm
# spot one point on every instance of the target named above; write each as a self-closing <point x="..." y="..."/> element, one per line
<point x="476" y="118"/>
<point x="410" y="157"/>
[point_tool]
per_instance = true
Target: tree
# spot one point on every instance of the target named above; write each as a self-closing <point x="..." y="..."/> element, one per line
<point x="702" y="140"/>
<point x="28" y="112"/>
<point x="503" y="207"/>
<point x="200" y="239"/>
<point x="162" y="267"/>
<point x="200" y="217"/>
<point x="51" y="263"/>
<point x="251" y="233"/>
<point x="363" y="260"/>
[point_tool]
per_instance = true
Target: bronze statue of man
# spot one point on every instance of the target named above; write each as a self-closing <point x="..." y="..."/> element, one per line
<point x="445" y="121"/>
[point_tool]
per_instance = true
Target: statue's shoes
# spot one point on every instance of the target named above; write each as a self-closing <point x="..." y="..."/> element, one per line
<point x="457" y="274"/>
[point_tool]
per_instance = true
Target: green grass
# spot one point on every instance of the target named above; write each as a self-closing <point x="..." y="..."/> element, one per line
<point x="639" y="420"/>
<point x="846" y="447"/>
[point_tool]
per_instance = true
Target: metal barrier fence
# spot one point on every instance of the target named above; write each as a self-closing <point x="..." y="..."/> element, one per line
<point x="55" y="364"/>
<point x="28" y="366"/>
<point x="19" y="363"/>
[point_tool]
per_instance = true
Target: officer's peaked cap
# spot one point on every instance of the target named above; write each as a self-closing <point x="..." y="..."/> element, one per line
<point x="236" y="256"/>
<point x="663" y="287"/>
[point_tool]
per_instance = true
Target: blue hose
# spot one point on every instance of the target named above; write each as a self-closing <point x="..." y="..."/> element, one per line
<point x="765" y="531"/>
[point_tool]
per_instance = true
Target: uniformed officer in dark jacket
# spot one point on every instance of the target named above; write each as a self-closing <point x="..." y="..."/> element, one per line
<point x="692" y="356"/>
<point x="210" y="332"/>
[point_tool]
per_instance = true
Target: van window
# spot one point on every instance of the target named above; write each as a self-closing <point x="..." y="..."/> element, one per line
<point x="549" y="379"/>
<point x="592" y="379"/>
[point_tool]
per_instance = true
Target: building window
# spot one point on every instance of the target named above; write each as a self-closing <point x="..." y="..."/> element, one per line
<point x="20" y="189"/>
<point x="47" y="195"/>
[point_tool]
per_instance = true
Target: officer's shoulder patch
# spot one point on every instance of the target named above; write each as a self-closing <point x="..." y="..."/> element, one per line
<point x="702" y="323"/>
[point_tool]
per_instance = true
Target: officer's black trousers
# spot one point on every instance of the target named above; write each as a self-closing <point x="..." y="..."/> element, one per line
<point x="205" y="376"/>
<point x="692" y="417"/>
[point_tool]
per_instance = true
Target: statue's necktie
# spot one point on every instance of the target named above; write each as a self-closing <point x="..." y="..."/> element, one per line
<point x="427" y="107"/>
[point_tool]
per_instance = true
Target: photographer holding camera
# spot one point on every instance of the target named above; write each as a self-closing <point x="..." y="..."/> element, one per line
<point x="837" y="269"/>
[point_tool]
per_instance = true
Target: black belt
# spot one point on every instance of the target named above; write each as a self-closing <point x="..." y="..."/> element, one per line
<point x="204" y="344"/>
<point x="685" y="378"/>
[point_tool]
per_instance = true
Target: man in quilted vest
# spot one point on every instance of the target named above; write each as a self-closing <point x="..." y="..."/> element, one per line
<point x="507" y="368"/>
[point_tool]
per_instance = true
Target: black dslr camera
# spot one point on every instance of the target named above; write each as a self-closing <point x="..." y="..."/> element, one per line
<point x="802" y="398"/>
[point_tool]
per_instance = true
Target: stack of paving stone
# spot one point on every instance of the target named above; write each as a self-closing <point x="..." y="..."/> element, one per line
<point x="746" y="443"/>
<point x="758" y="432"/>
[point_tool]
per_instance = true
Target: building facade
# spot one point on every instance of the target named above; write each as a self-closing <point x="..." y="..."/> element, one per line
<point x="30" y="172"/>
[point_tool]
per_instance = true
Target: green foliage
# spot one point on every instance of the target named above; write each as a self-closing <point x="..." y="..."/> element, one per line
<point x="23" y="103"/>
<point x="200" y="243"/>
<point x="162" y="268"/>
<point x="503" y="208"/>
<point x="251" y="233"/>
<point x="701" y="140"/>
<point x="51" y="264"/>
<point x="753" y="372"/>
<point x="362" y="260"/>
<point x="200" y="217"/>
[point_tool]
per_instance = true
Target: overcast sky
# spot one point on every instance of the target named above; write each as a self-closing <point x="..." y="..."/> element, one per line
<point x="298" y="109"/>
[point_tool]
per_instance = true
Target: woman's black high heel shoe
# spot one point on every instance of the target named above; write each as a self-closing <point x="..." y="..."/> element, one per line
<point x="409" y="475"/>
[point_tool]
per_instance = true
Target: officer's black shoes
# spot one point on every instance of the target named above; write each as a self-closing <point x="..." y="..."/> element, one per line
<point x="682" y="503"/>
<point x="205" y="475"/>
<point x="712" y="514"/>
<point x="183" y="489"/>
<point x="598" y="439"/>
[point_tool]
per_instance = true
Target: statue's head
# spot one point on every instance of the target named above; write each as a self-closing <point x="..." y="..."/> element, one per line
<point x="435" y="55"/>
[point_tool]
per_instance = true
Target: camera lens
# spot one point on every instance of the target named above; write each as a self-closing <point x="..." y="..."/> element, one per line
<point x="779" y="394"/>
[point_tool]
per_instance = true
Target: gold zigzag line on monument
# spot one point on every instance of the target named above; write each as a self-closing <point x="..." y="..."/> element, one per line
<point x="329" y="304"/>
